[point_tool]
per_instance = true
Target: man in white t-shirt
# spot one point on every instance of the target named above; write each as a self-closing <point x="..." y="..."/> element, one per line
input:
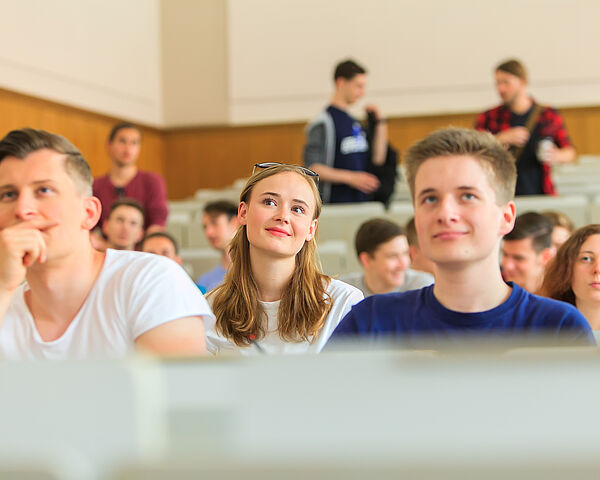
<point x="77" y="302"/>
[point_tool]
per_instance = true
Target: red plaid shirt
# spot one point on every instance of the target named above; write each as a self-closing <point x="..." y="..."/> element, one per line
<point x="549" y="124"/>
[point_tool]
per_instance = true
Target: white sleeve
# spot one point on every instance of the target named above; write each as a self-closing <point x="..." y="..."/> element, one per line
<point x="344" y="296"/>
<point x="161" y="291"/>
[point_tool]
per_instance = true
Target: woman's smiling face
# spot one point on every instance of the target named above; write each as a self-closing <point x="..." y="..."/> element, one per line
<point x="279" y="214"/>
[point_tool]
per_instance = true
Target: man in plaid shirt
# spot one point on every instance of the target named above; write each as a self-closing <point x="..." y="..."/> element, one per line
<point x="535" y="150"/>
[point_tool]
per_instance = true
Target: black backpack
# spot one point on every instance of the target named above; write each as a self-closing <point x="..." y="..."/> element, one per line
<point x="386" y="173"/>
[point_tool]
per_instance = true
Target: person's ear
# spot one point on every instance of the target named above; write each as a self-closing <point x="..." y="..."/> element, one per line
<point x="92" y="209"/>
<point x="547" y="254"/>
<point x="412" y="251"/>
<point x="242" y="213"/>
<point x="312" y="231"/>
<point x="509" y="214"/>
<point x="365" y="259"/>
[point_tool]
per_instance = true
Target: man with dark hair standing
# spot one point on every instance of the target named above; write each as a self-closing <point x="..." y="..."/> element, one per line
<point x="126" y="180"/>
<point x="526" y="251"/>
<point x="382" y="251"/>
<point x="535" y="135"/>
<point x="59" y="297"/>
<point x="337" y="147"/>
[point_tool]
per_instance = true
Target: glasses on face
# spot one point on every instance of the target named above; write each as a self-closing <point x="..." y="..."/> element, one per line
<point x="304" y="170"/>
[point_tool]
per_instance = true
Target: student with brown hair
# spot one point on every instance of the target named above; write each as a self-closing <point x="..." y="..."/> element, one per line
<point x="573" y="275"/>
<point x="59" y="297"/>
<point x="418" y="261"/>
<point x="220" y="223"/>
<point x="274" y="298"/>
<point x="526" y="250"/>
<point x="125" y="179"/>
<point x="382" y="251"/>
<point x="161" y="243"/>
<point x="124" y="227"/>
<point x="462" y="185"/>
<point x="563" y="227"/>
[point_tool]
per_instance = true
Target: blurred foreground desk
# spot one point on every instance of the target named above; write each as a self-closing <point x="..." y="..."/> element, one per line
<point x="532" y="412"/>
<point x="524" y="414"/>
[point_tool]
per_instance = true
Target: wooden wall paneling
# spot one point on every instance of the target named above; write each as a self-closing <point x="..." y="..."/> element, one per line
<point x="88" y="131"/>
<point x="403" y="132"/>
<point x="583" y="124"/>
<point x="214" y="157"/>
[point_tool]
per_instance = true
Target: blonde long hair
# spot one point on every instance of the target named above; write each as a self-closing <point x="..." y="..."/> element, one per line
<point x="305" y="303"/>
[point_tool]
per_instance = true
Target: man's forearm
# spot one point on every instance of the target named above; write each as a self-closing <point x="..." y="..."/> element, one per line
<point x="380" y="141"/>
<point x="332" y="175"/>
<point x="565" y="155"/>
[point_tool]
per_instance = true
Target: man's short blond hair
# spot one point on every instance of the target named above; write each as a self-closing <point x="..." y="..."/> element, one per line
<point x="497" y="162"/>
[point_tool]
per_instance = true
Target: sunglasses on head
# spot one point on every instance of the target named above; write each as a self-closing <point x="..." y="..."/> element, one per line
<point x="304" y="170"/>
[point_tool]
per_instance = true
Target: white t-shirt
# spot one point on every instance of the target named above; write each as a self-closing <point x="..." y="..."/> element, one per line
<point x="343" y="296"/>
<point x="134" y="293"/>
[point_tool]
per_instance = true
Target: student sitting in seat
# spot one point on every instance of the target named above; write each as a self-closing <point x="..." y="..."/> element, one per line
<point x="462" y="184"/>
<point x="124" y="226"/>
<point x="563" y="227"/>
<point x="382" y="250"/>
<point x="59" y="297"/>
<point x="526" y="251"/>
<point x="573" y="275"/>
<point x="161" y="243"/>
<point x="274" y="298"/>
<point x="220" y="224"/>
<point x="418" y="261"/>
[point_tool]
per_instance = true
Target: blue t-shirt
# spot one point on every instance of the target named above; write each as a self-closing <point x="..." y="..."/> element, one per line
<point x="351" y="153"/>
<point x="211" y="279"/>
<point x="417" y="317"/>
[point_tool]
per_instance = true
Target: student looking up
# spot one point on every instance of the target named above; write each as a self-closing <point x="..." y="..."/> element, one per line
<point x="462" y="185"/>
<point x="274" y="298"/>
<point x="61" y="298"/>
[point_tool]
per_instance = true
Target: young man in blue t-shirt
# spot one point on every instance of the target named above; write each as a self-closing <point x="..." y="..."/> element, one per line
<point x="462" y="183"/>
<point x="337" y="147"/>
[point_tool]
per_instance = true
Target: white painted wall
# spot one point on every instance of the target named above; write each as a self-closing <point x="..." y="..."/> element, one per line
<point x="100" y="55"/>
<point x="256" y="61"/>
<point x="194" y="65"/>
<point x="424" y="56"/>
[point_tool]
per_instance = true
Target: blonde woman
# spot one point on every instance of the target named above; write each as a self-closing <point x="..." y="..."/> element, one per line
<point x="274" y="298"/>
